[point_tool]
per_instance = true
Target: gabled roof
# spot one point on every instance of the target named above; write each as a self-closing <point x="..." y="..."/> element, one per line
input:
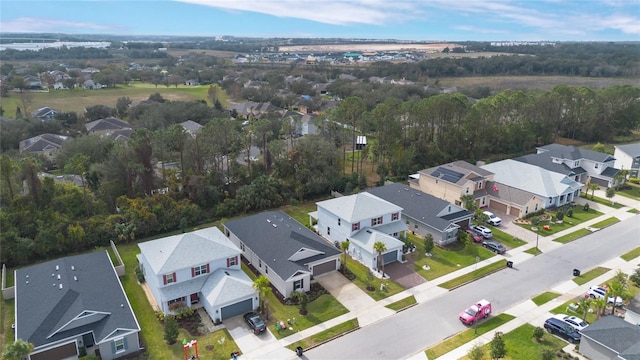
<point x="191" y="127"/>
<point x="457" y="172"/>
<point x="508" y="193"/>
<point x="420" y="206"/>
<point x="531" y="178"/>
<point x="366" y="238"/>
<point x="545" y="161"/>
<point x="82" y="294"/>
<point x="44" y="111"/>
<point x="275" y="237"/>
<point x="632" y="150"/>
<point x="183" y="251"/>
<point x="358" y="207"/>
<point x="574" y="153"/>
<point x="617" y="335"/>
<point x="227" y="285"/>
<point x="110" y="123"/>
<point x="43" y="142"/>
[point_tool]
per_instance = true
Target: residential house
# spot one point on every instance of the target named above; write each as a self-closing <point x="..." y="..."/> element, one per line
<point x="197" y="269"/>
<point x="425" y="214"/>
<point x="191" y="127"/>
<point x="32" y="82"/>
<point x="72" y="305"/>
<point x="363" y="219"/>
<point x="283" y="250"/>
<point x="551" y="189"/>
<point x="47" y="145"/>
<point x="632" y="311"/>
<point x="610" y="337"/>
<point x="255" y="109"/>
<point x="628" y="158"/>
<point x="453" y="180"/>
<point x="104" y="127"/>
<point x="121" y="134"/>
<point x="582" y="165"/>
<point x="45" y="113"/>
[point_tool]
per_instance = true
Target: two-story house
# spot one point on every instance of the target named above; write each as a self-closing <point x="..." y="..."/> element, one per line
<point x="283" y="250"/>
<point x="74" y="305"/>
<point x="628" y="158"/>
<point x="426" y="214"/>
<point x="581" y="165"/>
<point x="200" y="268"/>
<point x="363" y="219"/>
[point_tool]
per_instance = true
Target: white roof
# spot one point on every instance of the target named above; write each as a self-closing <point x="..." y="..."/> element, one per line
<point x="186" y="250"/>
<point x="531" y="178"/>
<point x="358" y="207"/>
<point x="367" y="237"/>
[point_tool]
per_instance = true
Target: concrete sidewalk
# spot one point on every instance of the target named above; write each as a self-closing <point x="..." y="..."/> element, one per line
<point x="368" y="311"/>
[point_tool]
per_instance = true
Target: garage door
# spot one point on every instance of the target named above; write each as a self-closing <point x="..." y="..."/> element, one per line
<point x="323" y="268"/>
<point x="237" y="309"/>
<point x="390" y="257"/>
<point x="515" y="211"/>
<point x="498" y="206"/>
<point x="61" y="352"/>
<point x="600" y="182"/>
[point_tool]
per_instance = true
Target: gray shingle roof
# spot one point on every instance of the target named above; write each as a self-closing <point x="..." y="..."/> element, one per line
<point x="86" y="282"/>
<point x="358" y="207"/>
<point x="508" y="193"/>
<point x="632" y="150"/>
<point x="575" y="153"/>
<point x="274" y="237"/>
<point x="110" y="123"/>
<point x="420" y="206"/>
<point x="616" y="334"/>
<point x="544" y="161"/>
<point x="43" y="142"/>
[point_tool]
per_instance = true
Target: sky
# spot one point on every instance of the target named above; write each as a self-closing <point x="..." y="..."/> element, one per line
<point x="419" y="20"/>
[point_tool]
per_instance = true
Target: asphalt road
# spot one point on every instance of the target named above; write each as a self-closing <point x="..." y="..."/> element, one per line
<point x="424" y="325"/>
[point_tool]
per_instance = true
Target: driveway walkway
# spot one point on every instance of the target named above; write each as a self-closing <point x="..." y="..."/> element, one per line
<point x="345" y="291"/>
<point x="404" y="273"/>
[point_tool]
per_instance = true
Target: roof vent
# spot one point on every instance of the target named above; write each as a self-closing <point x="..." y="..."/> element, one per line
<point x="57" y="267"/>
<point x="75" y="278"/>
<point x="27" y="276"/>
<point x="60" y="286"/>
<point x="58" y="276"/>
<point x="121" y="305"/>
<point x="73" y="268"/>
<point x="226" y="273"/>
<point x="26" y="282"/>
<point x="274" y="225"/>
<point x="52" y="274"/>
<point x="269" y="221"/>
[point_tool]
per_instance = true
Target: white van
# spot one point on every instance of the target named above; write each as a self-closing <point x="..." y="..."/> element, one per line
<point x="492" y="220"/>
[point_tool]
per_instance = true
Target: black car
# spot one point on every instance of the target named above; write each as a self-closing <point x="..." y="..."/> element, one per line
<point x="255" y="322"/>
<point x="494" y="246"/>
<point x="562" y="329"/>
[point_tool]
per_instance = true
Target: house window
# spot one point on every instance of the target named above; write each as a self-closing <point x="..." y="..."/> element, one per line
<point x="242" y="246"/>
<point x="339" y="222"/>
<point x="596" y="165"/>
<point x="199" y="270"/>
<point x="395" y="234"/>
<point x="232" y="261"/>
<point x="328" y="230"/>
<point x="467" y="190"/>
<point x="480" y="185"/>
<point x="576" y="163"/>
<point x="266" y="269"/>
<point x="355" y="226"/>
<point x="260" y="263"/>
<point x="298" y="284"/>
<point x="395" y="216"/>
<point x="526" y="210"/>
<point x="118" y="345"/>
<point x="170" y="278"/>
<point x="536" y="208"/>
<point x="376" y="221"/>
<point x="483" y="200"/>
<point x="177" y="300"/>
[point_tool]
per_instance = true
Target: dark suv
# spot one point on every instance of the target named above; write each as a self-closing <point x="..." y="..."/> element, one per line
<point x="562" y="329"/>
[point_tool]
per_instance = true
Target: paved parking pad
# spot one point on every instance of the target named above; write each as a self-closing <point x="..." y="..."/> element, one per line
<point x="246" y="340"/>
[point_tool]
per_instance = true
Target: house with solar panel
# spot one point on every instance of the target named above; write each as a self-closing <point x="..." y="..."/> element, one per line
<point x="197" y="269"/>
<point x="426" y="214"/>
<point x="451" y="181"/>
<point x="74" y="306"/>
<point x="363" y="219"/>
<point x="282" y="249"/>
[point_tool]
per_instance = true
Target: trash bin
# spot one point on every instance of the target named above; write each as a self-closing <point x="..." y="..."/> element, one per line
<point x="299" y="351"/>
<point x="509" y="264"/>
<point x="576" y="272"/>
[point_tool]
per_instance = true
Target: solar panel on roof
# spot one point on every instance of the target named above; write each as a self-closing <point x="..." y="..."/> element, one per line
<point x="447" y="174"/>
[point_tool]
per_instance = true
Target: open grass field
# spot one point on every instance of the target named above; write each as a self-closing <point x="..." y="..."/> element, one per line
<point x="545" y="83"/>
<point x="77" y="100"/>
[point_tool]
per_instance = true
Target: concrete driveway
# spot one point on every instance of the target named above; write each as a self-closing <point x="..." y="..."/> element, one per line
<point x="346" y="292"/>
<point x="246" y="340"/>
<point x="509" y="227"/>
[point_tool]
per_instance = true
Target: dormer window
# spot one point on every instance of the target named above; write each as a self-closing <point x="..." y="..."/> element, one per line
<point x="376" y="221"/>
<point x="169" y="278"/>
<point x="576" y="163"/>
<point x="232" y="261"/>
<point x="395" y="216"/>
<point x="338" y="222"/>
<point x="199" y="270"/>
<point x="355" y="226"/>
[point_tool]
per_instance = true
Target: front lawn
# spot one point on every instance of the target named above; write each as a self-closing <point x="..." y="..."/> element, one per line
<point x="579" y="216"/>
<point x="544" y="298"/>
<point x="476" y="274"/>
<point x="631" y="254"/>
<point x="632" y="192"/>
<point x="601" y="201"/>
<point x="378" y="293"/>
<point x="326" y="335"/>
<point x="443" y="261"/>
<point x="590" y="275"/>
<point x="606" y="222"/>
<point x="403" y="303"/>
<point x="572" y="236"/>
<point x="508" y="240"/>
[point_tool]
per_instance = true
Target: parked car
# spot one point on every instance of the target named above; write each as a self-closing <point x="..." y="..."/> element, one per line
<point x="475" y="236"/>
<point x="562" y="329"/>
<point x="255" y="322"/>
<point x="483" y="230"/>
<point x="492" y="218"/>
<point x="494" y="246"/>
<point x="574" y="321"/>
<point x="599" y="292"/>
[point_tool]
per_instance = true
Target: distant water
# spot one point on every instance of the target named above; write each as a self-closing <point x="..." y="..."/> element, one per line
<point x="56" y="45"/>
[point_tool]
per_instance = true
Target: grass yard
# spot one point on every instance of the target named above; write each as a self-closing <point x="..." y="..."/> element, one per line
<point x="444" y="261"/>
<point x="601" y="201"/>
<point x="544" y="298"/>
<point x="300" y="212"/>
<point x="520" y="344"/>
<point x="631" y="254"/>
<point x="633" y="211"/>
<point x="632" y="192"/>
<point x="590" y="275"/>
<point x="476" y="274"/>
<point x="579" y="216"/>
<point x="360" y="271"/>
<point x="533" y="251"/>
<point x="606" y="222"/>
<point x="77" y="100"/>
<point x="467" y="335"/>
<point x="403" y="303"/>
<point x="572" y="236"/>
<point x="509" y="241"/>
<point x="326" y="335"/>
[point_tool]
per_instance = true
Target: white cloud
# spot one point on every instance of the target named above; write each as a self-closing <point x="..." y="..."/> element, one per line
<point x="36" y="25"/>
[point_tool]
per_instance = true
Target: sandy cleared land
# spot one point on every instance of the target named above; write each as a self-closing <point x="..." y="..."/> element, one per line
<point x="368" y="47"/>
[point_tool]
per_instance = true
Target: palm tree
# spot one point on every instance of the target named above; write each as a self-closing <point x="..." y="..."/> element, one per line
<point x="616" y="289"/>
<point x="264" y="288"/>
<point x="593" y="187"/>
<point x="344" y="246"/>
<point x="584" y="304"/>
<point x="17" y="350"/>
<point x="600" y="304"/>
<point x="380" y="248"/>
<point x="468" y="202"/>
